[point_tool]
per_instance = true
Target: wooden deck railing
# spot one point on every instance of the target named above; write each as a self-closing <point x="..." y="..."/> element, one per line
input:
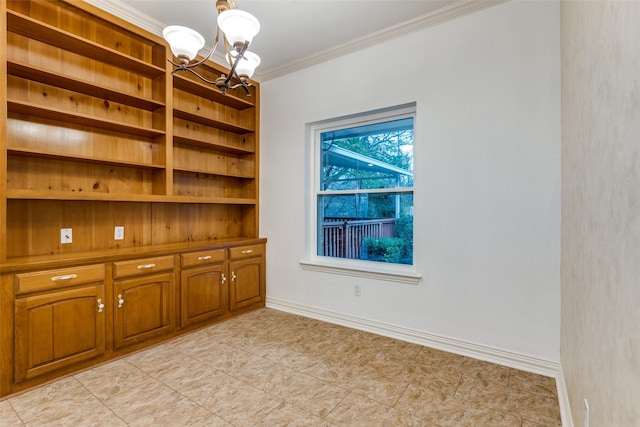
<point x="343" y="239"/>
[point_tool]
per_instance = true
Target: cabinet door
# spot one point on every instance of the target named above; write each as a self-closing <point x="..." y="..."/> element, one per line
<point x="203" y="293"/>
<point x="247" y="285"/>
<point x="58" y="329"/>
<point x="143" y="308"/>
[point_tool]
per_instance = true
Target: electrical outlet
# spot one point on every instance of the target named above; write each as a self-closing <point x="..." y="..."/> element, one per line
<point x="66" y="235"/>
<point x="118" y="232"/>
<point x="586" y="413"/>
<point x="357" y="290"/>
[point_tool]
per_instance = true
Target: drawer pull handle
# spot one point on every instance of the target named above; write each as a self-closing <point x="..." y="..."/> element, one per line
<point x="224" y="279"/>
<point x="247" y="251"/>
<point x="146" y="266"/>
<point x="233" y="276"/>
<point x="100" y="306"/>
<point x="65" y="277"/>
<point x="204" y="258"/>
<point x="120" y="301"/>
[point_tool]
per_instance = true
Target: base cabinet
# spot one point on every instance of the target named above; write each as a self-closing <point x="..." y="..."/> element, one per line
<point x="58" y="329"/>
<point x="203" y="287"/>
<point x="61" y="319"/>
<point x="247" y="273"/>
<point x="143" y="308"/>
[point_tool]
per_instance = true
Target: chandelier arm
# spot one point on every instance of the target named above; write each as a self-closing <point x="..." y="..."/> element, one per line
<point x="244" y="86"/>
<point x="203" y="60"/>
<point x="211" y="82"/>
<point x="178" y="66"/>
<point x="240" y="56"/>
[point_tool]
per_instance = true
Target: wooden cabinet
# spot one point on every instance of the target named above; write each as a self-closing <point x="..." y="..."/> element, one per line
<point x="143" y="299"/>
<point x="99" y="133"/>
<point x="247" y="276"/>
<point x="59" y="327"/>
<point x="203" y="286"/>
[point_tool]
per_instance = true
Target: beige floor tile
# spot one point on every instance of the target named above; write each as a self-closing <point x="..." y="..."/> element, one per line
<point x="153" y="403"/>
<point x="356" y="410"/>
<point x="64" y="402"/>
<point x="233" y="400"/>
<point x="532" y="383"/>
<point x="446" y="411"/>
<point x="111" y="378"/>
<point x="287" y="415"/>
<point x="8" y="416"/>
<point x="414" y="371"/>
<point x="477" y="389"/>
<point x="304" y="391"/>
<point x="485" y="371"/>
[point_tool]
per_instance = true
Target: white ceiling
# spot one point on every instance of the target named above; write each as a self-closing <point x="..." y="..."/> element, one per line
<point x="298" y="33"/>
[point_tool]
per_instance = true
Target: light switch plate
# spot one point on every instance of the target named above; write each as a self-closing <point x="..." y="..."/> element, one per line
<point x="118" y="232"/>
<point x="66" y="235"/>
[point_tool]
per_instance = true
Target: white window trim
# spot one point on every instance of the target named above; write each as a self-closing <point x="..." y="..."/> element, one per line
<point x="357" y="268"/>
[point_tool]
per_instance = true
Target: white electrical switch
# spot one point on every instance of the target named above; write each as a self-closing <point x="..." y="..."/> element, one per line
<point x="66" y="235"/>
<point x="118" y="233"/>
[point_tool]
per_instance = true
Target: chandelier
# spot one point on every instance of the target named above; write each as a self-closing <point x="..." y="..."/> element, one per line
<point x="238" y="28"/>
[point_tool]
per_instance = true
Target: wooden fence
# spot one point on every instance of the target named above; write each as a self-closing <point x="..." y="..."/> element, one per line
<point x="343" y="239"/>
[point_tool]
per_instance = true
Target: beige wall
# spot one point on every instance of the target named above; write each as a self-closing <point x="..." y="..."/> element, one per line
<point x="600" y="334"/>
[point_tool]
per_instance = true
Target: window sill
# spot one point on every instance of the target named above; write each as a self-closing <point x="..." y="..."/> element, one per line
<point x="369" y="270"/>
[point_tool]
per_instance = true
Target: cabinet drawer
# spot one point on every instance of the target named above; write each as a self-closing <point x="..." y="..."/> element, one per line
<point x="246" y="251"/>
<point x="139" y="267"/>
<point x="42" y="280"/>
<point x="202" y="258"/>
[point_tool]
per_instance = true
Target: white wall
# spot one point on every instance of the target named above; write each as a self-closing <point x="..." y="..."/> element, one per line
<point x="600" y="343"/>
<point x="487" y="161"/>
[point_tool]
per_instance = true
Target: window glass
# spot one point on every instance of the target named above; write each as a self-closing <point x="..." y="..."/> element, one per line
<point x="365" y="191"/>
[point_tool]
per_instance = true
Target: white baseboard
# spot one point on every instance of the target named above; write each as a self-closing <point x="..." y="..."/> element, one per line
<point x="563" y="400"/>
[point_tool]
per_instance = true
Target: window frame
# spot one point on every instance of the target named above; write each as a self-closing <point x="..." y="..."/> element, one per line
<point x="403" y="273"/>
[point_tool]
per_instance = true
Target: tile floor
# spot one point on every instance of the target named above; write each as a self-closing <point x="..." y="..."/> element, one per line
<point x="269" y="368"/>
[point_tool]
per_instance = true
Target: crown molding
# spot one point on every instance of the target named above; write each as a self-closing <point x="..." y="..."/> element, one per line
<point x="439" y="16"/>
<point x="144" y="21"/>
<point x="129" y="14"/>
<point x="444" y="14"/>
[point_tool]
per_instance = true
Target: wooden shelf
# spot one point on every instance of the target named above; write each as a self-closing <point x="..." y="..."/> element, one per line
<point x="31" y="109"/>
<point x="206" y="172"/>
<point x="109" y="197"/>
<point x="26" y="71"/>
<point x="212" y="145"/>
<point x="45" y="33"/>
<point x="211" y="92"/>
<point x="57" y="156"/>
<point x="211" y="122"/>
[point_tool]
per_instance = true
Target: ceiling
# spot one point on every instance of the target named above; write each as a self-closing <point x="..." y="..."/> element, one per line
<point x="296" y="33"/>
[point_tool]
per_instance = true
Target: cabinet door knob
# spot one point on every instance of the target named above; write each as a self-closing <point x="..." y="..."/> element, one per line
<point x="146" y="266"/>
<point x="233" y="276"/>
<point x="100" y="305"/>
<point x="120" y="300"/>
<point x="204" y="258"/>
<point x="224" y="279"/>
<point x="65" y="277"/>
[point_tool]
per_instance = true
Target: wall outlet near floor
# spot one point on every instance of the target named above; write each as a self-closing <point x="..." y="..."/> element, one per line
<point x="118" y="232"/>
<point x="66" y="235"/>
<point x="586" y="413"/>
<point x="357" y="290"/>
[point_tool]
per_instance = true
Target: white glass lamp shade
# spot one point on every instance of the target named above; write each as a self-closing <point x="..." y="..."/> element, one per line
<point x="184" y="41"/>
<point x="238" y="26"/>
<point x="248" y="64"/>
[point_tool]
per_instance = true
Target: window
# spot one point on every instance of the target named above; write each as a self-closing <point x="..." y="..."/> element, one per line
<point x="362" y="203"/>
